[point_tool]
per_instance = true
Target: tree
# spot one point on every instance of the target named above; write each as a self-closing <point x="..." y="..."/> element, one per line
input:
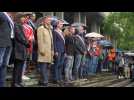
<point x="120" y="27"/>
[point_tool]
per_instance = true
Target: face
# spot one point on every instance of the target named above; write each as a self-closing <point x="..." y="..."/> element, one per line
<point x="81" y="29"/>
<point x="72" y="30"/>
<point x="60" y="24"/>
<point x="23" y="19"/>
<point x="33" y="18"/>
<point x="47" y="20"/>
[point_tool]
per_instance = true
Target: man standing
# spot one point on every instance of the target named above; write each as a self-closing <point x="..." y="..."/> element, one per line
<point x="80" y="51"/>
<point x="69" y="45"/>
<point x="6" y="33"/>
<point x="59" y="48"/>
<point x="45" y="49"/>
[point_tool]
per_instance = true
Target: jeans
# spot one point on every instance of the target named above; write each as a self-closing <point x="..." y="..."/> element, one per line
<point x="99" y="67"/>
<point x="83" y="71"/>
<point x="58" y="67"/>
<point x="17" y="71"/>
<point x="88" y="65"/>
<point x="24" y="68"/>
<point x="105" y="64"/>
<point x="110" y="66"/>
<point x="5" y="54"/>
<point x="83" y="67"/>
<point x="43" y="71"/>
<point x="94" y="64"/>
<point x="68" y="67"/>
<point x="77" y="63"/>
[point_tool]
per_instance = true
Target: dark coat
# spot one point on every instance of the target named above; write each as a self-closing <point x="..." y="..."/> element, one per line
<point x="5" y="31"/>
<point x="69" y="45"/>
<point x="59" y="45"/>
<point x="80" y="48"/>
<point x="21" y="43"/>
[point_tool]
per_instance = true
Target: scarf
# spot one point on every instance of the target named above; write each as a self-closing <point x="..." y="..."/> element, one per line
<point x="28" y="31"/>
<point x="81" y="39"/>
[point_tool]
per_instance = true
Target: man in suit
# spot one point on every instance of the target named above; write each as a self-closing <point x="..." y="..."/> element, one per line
<point x="6" y="33"/>
<point x="59" y="49"/>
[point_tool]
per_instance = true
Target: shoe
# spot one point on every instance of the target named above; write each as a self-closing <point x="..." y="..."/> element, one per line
<point x="17" y="85"/>
<point x="56" y="82"/>
<point x="43" y="84"/>
<point x="25" y="77"/>
<point x="119" y="77"/>
<point x="22" y="84"/>
<point x="85" y="79"/>
<point x="61" y="81"/>
<point x="67" y="81"/>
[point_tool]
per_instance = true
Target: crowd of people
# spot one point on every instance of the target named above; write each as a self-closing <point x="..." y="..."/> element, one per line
<point x="50" y="45"/>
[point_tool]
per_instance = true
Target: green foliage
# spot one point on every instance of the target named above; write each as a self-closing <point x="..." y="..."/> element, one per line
<point x="120" y="26"/>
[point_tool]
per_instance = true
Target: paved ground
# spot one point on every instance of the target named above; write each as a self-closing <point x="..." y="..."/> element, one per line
<point x="99" y="80"/>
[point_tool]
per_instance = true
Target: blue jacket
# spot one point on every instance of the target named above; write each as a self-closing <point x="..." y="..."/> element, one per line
<point x="59" y="45"/>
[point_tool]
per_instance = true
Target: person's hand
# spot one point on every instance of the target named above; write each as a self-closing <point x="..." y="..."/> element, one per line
<point x="85" y="53"/>
<point x="53" y="53"/>
<point x="56" y="54"/>
<point x="49" y="66"/>
<point x="43" y="54"/>
<point x="28" y="45"/>
<point x="65" y="55"/>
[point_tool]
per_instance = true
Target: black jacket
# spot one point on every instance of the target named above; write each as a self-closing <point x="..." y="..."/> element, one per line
<point x="80" y="48"/>
<point x="5" y="31"/>
<point x="69" y="45"/>
<point x="21" y="43"/>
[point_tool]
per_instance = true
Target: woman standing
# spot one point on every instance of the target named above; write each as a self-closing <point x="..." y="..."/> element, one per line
<point x="28" y="31"/>
<point x="20" y="49"/>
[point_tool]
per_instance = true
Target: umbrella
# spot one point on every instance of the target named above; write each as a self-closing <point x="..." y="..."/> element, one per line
<point x="28" y="13"/>
<point x="94" y="35"/>
<point x="65" y="22"/>
<point x="55" y="19"/>
<point x="119" y="50"/>
<point x="129" y="54"/>
<point x="105" y="42"/>
<point x="78" y="24"/>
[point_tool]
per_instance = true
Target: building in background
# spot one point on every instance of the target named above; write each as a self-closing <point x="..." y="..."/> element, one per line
<point x="93" y="20"/>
